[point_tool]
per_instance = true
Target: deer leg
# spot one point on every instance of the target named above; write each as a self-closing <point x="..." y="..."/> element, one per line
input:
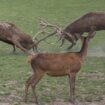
<point x="21" y="47"/>
<point x="71" y="46"/>
<point x="63" y="41"/>
<point x="33" y="80"/>
<point x="27" y="85"/>
<point x="33" y="89"/>
<point x="17" y="44"/>
<point x="72" y="40"/>
<point x="14" y="49"/>
<point x="77" y="36"/>
<point x="72" y="78"/>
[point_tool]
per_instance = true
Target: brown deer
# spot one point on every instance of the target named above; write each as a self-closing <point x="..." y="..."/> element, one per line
<point x="54" y="64"/>
<point x="90" y="23"/>
<point x="11" y="34"/>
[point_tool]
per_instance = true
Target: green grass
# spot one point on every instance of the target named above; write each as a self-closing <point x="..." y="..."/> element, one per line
<point x="90" y="81"/>
<point x="26" y="13"/>
<point x="13" y="67"/>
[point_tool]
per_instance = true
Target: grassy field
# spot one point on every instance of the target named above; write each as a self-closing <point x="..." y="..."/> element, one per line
<point x="13" y="67"/>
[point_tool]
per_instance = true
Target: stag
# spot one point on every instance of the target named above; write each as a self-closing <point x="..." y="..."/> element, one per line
<point x="11" y="34"/>
<point x="54" y="64"/>
<point x="89" y="23"/>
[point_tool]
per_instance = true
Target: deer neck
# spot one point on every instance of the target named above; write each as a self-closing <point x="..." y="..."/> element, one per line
<point x="83" y="51"/>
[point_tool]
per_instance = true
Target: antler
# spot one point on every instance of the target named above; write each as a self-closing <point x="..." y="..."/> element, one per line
<point x="44" y="24"/>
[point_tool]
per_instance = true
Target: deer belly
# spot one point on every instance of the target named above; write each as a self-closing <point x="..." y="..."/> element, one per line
<point x="57" y="73"/>
<point x="6" y="41"/>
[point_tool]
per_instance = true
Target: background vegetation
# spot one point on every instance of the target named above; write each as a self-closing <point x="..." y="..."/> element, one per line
<point x="13" y="67"/>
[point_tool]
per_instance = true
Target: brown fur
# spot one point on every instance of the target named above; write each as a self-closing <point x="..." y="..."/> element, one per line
<point x="11" y="34"/>
<point x="56" y="65"/>
<point x="90" y="23"/>
<point x="30" y="57"/>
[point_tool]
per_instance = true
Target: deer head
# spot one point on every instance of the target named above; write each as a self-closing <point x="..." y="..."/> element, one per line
<point x="56" y="31"/>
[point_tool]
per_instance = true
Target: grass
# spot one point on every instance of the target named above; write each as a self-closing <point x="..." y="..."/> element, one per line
<point x="89" y="85"/>
<point x="13" y="67"/>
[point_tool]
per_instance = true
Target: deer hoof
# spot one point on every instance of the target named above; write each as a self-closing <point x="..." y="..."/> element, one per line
<point x="25" y="100"/>
<point x="36" y="103"/>
<point x="73" y="102"/>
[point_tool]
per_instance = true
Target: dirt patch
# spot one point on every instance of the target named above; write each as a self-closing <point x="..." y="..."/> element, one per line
<point x="14" y="99"/>
<point x="4" y="104"/>
<point x="78" y="103"/>
<point x="94" y="75"/>
<point x="15" y="104"/>
<point x="54" y="103"/>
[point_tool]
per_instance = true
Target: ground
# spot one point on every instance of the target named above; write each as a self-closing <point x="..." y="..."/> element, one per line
<point x="14" y="71"/>
<point x="55" y="91"/>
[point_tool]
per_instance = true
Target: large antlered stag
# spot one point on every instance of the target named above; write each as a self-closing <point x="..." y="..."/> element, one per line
<point x="90" y="23"/>
<point x="56" y="64"/>
<point x="11" y="34"/>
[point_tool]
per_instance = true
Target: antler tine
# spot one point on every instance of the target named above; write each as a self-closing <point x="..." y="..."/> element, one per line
<point x="49" y="35"/>
<point x="39" y="32"/>
<point x="45" y="24"/>
<point x="43" y="32"/>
